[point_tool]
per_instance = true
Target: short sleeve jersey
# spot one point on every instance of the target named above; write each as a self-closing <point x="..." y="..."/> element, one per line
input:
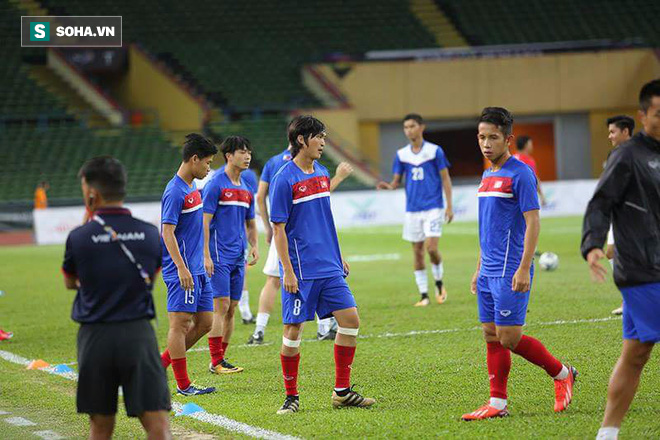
<point x="274" y="164"/>
<point x="231" y="206"/>
<point x="302" y="202"/>
<point x="111" y="287"/>
<point x="527" y="159"/>
<point x="182" y="206"/>
<point x="504" y="195"/>
<point x="421" y="172"/>
<point x="249" y="176"/>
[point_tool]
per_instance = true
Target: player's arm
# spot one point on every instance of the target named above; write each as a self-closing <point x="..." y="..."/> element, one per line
<point x="262" y="193"/>
<point x="394" y="184"/>
<point x="69" y="267"/>
<point x="541" y="195"/>
<point x="473" y="284"/>
<point x="185" y="277"/>
<point x="208" y="261"/>
<point x="343" y="170"/>
<point x="251" y="227"/>
<point x="290" y="280"/>
<point x="522" y="278"/>
<point x="609" y="192"/>
<point x="446" y="185"/>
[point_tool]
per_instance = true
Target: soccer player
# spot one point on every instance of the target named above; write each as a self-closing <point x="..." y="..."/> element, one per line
<point x="271" y="267"/>
<point x="189" y="293"/>
<point x="508" y="234"/>
<point x="426" y="171"/>
<point x="244" y="303"/>
<point x="313" y="271"/>
<point x="228" y="214"/>
<point x="525" y="147"/>
<point x="620" y="129"/>
<point x="628" y="197"/>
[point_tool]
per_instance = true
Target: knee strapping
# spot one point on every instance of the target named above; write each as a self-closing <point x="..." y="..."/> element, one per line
<point x="291" y="343"/>
<point x="348" y="331"/>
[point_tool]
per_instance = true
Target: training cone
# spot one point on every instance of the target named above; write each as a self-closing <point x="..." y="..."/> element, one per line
<point x="190" y="408"/>
<point x="37" y="364"/>
<point x="62" y="369"/>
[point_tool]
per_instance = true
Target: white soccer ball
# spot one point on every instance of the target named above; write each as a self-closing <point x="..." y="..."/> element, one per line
<point x="549" y="261"/>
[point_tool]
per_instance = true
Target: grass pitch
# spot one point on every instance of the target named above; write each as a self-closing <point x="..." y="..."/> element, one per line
<point x="425" y="366"/>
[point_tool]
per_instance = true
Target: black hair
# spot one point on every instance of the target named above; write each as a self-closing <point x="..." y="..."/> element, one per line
<point x="414" y="117"/>
<point x="623" y="122"/>
<point x="198" y="145"/>
<point x="649" y="90"/>
<point x="521" y="142"/>
<point x="106" y="175"/>
<point x="307" y="126"/>
<point x="499" y="117"/>
<point x="231" y="144"/>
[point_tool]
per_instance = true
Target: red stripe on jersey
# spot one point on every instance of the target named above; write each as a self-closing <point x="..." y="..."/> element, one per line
<point x="310" y="187"/>
<point x="235" y="195"/>
<point x="192" y="200"/>
<point x="497" y="184"/>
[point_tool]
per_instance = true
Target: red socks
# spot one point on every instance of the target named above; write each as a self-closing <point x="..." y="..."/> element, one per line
<point x="165" y="359"/>
<point x="535" y="352"/>
<point x="181" y="373"/>
<point x="224" y="349"/>
<point x="290" y="373"/>
<point x="216" y="349"/>
<point x="343" y="360"/>
<point x="499" y="365"/>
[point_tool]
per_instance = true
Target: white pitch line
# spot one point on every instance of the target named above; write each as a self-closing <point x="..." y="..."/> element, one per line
<point x="48" y="435"/>
<point x="374" y="257"/>
<point x="213" y="419"/>
<point x="19" y="421"/>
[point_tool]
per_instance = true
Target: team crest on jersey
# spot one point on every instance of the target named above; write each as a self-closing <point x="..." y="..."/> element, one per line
<point x="192" y="202"/>
<point x="235" y="197"/>
<point x="310" y="189"/>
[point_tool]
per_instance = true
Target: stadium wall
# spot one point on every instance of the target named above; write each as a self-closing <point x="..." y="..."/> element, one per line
<point x="350" y="208"/>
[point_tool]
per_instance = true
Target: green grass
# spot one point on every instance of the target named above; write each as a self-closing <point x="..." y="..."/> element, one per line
<point x="423" y="382"/>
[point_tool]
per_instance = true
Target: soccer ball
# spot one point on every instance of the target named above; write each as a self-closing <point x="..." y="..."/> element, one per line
<point x="549" y="261"/>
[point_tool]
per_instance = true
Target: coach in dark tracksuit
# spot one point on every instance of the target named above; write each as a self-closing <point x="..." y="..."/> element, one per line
<point x="628" y="193"/>
<point x="111" y="261"/>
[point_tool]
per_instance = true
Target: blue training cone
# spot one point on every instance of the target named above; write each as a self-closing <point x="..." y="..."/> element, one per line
<point x="62" y="369"/>
<point x="190" y="408"/>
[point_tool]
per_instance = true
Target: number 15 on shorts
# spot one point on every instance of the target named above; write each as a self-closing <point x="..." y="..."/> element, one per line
<point x="190" y="297"/>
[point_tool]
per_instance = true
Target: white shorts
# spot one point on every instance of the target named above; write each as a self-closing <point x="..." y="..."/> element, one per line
<point x="272" y="266"/>
<point x="418" y="226"/>
<point x="610" y="236"/>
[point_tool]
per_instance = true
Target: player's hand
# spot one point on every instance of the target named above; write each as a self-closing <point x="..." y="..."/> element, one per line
<point x="269" y="235"/>
<point x="186" y="278"/>
<point x="254" y="256"/>
<point x="290" y="282"/>
<point x="384" y="185"/>
<point x="208" y="265"/>
<point x="347" y="268"/>
<point x="449" y="215"/>
<point x="544" y="201"/>
<point x="521" y="280"/>
<point x="598" y="272"/>
<point x="473" y="283"/>
<point x="343" y="170"/>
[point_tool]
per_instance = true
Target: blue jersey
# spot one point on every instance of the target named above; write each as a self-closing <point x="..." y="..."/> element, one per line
<point x="504" y="195"/>
<point x="302" y="201"/>
<point x="182" y="206"/>
<point x="231" y="206"/>
<point x="249" y="176"/>
<point x="421" y="172"/>
<point x="274" y="164"/>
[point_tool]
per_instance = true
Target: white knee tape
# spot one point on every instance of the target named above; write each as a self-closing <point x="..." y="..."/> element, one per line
<point x="290" y="343"/>
<point x="348" y="331"/>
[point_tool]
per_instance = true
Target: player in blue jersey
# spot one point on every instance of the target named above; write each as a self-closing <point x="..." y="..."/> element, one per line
<point x="326" y="329"/>
<point x="508" y="234"/>
<point x="228" y="225"/>
<point x="189" y="295"/>
<point x="313" y="271"/>
<point x="251" y="181"/>
<point x="425" y="169"/>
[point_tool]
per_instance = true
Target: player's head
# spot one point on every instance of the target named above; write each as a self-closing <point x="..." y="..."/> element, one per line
<point x="103" y="179"/>
<point x="620" y="129"/>
<point x="494" y="132"/>
<point x="237" y="151"/>
<point x="307" y="136"/>
<point x="198" y="153"/>
<point x="649" y="104"/>
<point x="44" y="184"/>
<point x="524" y="144"/>
<point x="413" y="126"/>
